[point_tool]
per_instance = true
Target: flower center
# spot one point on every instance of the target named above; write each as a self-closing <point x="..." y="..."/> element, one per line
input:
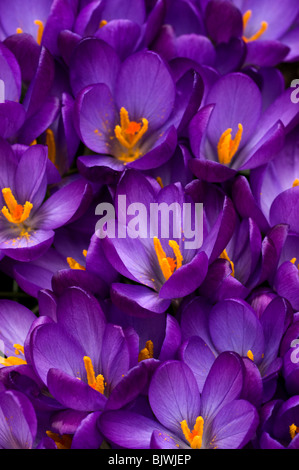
<point x="224" y="255"/>
<point x="227" y="147"/>
<point x="12" y="360"/>
<point x="128" y="134"/>
<point x="293" y="430"/>
<point x="63" y="441"/>
<point x="295" y="182"/>
<point x="194" y="437"/>
<point x="147" y="352"/>
<point x="259" y="33"/>
<point x="73" y="264"/>
<point x="167" y="264"/>
<point x="40" y="31"/>
<point x="14" y="212"/>
<point x="95" y="382"/>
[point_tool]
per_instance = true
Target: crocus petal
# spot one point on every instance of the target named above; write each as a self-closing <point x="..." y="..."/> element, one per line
<point x="234" y="425"/>
<point x="138" y="300"/>
<point x="18" y="421"/>
<point x="223" y="384"/>
<point x="173" y="382"/>
<point x="128" y="429"/>
<point x="186" y="279"/>
<point x="62" y="205"/>
<point x="74" y="393"/>
<point x="235" y="327"/>
<point x="139" y="89"/>
<point x="93" y="61"/>
<point x="28" y="247"/>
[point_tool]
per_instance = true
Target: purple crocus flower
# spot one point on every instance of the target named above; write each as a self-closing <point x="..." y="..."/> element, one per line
<point x="127" y="113"/>
<point x="232" y="325"/>
<point x="267" y="30"/>
<point x="219" y="418"/>
<point x="166" y="268"/>
<point x="92" y="356"/>
<point x="231" y="132"/>
<point x="27" y="222"/>
<point x="275" y="186"/>
<point x="286" y="280"/>
<point x="278" y="428"/>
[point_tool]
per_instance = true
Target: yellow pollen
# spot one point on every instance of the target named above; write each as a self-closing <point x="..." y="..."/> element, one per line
<point x="40" y="31"/>
<point x="103" y="23"/>
<point x="259" y="33"/>
<point x="14" y="212"/>
<point x="19" y="30"/>
<point x="194" y="437"/>
<point x="224" y="255"/>
<point x="227" y="147"/>
<point x="250" y="355"/>
<point x="95" y="382"/>
<point x="73" y="264"/>
<point x="50" y="142"/>
<point x="295" y="183"/>
<point x="293" y="430"/>
<point x="63" y="441"/>
<point x="128" y="134"/>
<point x="12" y="360"/>
<point x="34" y="142"/>
<point x="147" y="352"/>
<point x="167" y="264"/>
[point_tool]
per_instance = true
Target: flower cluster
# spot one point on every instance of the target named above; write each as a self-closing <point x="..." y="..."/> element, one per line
<point x="178" y="332"/>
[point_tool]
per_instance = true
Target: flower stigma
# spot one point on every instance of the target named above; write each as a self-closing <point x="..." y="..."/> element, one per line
<point x="194" y="437"/>
<point x="167" y="264"/>
<point x="14" y="212"/>
<point x="227" y="147"/>
<point x="259" y="33"/>
<point x="128" y="134"/>
<point x="95" y="382"/>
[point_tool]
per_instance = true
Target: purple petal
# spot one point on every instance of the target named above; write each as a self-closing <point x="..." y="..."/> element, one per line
<point x="93" y="61"/>
<point x="223" y="385"/>
<point x="173" y="382"/>
<point x="138" y="300"/>
<point x="234" y="426"/>
<point x="145" y="89"/>
<point x="62" y="205"/>
<point x="235" y="327"/>
<point x="186" y="279"/>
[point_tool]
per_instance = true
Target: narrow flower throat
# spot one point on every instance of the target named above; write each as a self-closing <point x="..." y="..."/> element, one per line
<point x="259" y="33"/>
<point x="14" y="212"/>
<point x="167" y="264"/>
<point x="194" y="437"/>
<point x="227" y="146"/>
<point x="129" y="134"/>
